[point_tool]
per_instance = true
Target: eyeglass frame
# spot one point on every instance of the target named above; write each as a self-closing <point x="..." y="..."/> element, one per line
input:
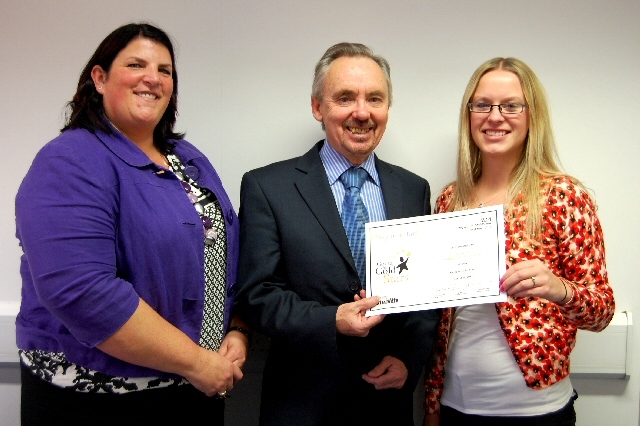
<point x="500" y="107"/>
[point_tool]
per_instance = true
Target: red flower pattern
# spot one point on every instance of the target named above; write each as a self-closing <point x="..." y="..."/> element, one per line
<point x="541" y="333"/>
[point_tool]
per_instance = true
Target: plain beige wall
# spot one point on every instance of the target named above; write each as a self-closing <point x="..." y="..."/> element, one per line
<point x="245" y="72"/>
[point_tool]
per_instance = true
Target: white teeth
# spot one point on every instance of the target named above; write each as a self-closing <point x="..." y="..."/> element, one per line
<point x="147" y="95"/>
<point x="495" y="133"/>
<point x="358" y="130"/>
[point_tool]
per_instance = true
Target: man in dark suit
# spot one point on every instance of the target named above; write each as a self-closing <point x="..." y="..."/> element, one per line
<point x="298" y="282"/>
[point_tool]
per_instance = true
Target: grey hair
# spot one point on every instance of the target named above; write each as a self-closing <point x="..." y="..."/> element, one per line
<point x="351" y="50"/>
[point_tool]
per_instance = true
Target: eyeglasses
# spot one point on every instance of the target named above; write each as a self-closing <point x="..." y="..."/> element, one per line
<point x="485" y="108"/>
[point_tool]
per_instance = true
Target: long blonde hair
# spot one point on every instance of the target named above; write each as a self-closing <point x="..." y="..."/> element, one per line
<point x="539" y="156"/>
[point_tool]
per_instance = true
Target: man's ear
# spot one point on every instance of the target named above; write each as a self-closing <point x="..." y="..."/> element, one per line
<point x="99" y="77"/>
<point x="315" y="109"/>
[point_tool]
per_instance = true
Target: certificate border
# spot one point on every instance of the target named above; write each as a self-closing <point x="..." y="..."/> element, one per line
<point x="497" y="212"/>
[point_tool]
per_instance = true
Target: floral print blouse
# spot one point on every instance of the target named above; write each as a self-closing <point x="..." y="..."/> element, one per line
<point x="540" y="333"/>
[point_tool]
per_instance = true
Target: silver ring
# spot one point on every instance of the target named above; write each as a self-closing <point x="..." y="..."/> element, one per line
<point x="223" y="395"/>
<point x="533" y="279"/>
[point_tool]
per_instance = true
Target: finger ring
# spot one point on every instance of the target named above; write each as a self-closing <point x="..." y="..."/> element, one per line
<point x="533" y="279"/>
<point x="222" y="393"/>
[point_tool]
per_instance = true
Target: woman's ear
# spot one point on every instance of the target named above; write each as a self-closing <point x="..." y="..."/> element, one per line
<point x="99" y="77"/>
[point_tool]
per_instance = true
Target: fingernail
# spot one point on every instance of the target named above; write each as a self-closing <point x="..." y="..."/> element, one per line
<point x="501" y="288"/>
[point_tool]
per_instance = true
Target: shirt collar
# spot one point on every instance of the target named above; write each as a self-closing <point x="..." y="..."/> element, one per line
<point x="121" y="146"/>
<point x="336" y="164"/>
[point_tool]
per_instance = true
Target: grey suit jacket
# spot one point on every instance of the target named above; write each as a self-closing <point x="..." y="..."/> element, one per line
<point x="295" y="269"/>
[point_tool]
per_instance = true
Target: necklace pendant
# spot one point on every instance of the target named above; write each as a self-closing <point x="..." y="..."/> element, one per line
<point x="210" y="236"/>
<point x="492" y="198"/>
<point x="192" y="197"/>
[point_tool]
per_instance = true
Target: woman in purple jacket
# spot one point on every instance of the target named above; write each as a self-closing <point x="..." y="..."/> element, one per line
<point x="130" y="255"/>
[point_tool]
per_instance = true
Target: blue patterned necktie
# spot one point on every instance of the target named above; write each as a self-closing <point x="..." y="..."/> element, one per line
<point x="354" y="216"/>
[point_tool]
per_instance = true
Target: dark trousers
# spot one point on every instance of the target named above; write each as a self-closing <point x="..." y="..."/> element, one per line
<point x="566" y="416"/>
<point x="45" y="404"/>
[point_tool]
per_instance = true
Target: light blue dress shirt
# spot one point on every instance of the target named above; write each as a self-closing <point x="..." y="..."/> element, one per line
<point x="335" y="164"/>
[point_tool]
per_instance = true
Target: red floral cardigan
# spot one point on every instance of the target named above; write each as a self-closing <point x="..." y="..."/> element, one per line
<point x="540" y="333"/>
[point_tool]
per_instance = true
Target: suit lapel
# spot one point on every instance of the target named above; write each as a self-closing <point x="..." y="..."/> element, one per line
<point x="313" y="186"/>
<point x="391" y="190"/>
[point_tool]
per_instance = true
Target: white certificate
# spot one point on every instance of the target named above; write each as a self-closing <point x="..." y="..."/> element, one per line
<point x="436" y="261"/>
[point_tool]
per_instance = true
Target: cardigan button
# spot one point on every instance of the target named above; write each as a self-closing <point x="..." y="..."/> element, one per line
<point x="192" y="172"/>
<point x="354" y="286"/>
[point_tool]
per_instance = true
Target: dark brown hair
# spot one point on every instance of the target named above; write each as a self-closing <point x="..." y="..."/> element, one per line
<point x="86" y="111"/>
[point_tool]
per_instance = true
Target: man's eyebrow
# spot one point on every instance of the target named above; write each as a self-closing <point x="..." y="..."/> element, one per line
<point x="344" y="92"/>
<point x="379" y="93"/>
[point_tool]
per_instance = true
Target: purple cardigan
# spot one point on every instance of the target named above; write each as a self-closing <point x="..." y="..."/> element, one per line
<point x="100" y="228"/>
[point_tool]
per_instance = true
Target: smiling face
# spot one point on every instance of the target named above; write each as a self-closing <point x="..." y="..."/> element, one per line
<point x="354" y="106"/>
<point x="137" y="88"/>
<point x="494" y="133"/>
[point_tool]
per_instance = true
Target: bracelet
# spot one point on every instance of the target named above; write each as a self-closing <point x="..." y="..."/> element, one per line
<point x="242" y="330"/>
<point x="573" y="293"/>
<point x="566" y="291"/>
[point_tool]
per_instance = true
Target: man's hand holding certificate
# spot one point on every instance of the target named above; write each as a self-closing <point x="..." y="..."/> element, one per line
<point x="436" y="261"/>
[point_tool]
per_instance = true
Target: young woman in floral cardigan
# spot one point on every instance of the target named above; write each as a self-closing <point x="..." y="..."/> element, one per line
<point x="508" y="363"/>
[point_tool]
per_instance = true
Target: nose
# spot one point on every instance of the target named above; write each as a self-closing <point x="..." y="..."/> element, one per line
<point x="152" y="77"/>
<point x="495" y="114"/>
<point x="361" y="111"/>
